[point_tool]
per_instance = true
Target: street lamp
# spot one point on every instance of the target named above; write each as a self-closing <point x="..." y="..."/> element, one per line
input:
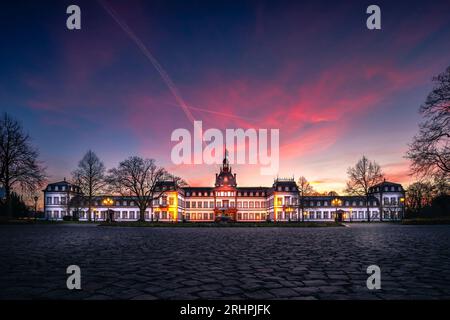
<point x="289" y="210"/>
<point x="335" y="203"/>
<point x="402" y="201"/>
<point x="108" y="202"/>
<point x="36" y="198"/>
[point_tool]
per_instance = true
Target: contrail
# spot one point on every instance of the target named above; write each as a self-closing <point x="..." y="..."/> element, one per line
<point x="214" y="112"/>
<point x="173" y="89"/>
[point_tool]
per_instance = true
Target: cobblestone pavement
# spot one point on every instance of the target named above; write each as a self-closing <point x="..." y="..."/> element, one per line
<point x="225" y="263"/>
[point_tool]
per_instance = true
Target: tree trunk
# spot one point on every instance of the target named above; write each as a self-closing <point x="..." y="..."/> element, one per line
<point x="89" y="210"/>
<point x="141" y="214"/>
<point x="368" y="209"/>
<point x="9" y="212"/>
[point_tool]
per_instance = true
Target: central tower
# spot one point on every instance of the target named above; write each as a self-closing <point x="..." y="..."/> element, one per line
<point x="225" y="178"/>
<point x="225" y="192"/>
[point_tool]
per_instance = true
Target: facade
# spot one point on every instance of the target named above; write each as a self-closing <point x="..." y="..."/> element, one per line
<point x="279" y="203"/>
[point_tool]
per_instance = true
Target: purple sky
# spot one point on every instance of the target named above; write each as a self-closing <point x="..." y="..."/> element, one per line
<point x="334" y="89"/>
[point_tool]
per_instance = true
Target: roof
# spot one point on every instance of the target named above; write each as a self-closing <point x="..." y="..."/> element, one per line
<point x="387" y="184"/>
<point x="60" y="183"/>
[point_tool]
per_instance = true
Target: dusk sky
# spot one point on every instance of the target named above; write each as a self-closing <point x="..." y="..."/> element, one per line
<point x="335" y="89"/>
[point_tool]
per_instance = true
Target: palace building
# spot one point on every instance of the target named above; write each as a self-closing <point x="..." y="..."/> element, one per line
<point x="226" y="200"/>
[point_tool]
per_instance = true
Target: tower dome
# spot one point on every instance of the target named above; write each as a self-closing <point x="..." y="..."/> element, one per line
<point x="225" y="178"/>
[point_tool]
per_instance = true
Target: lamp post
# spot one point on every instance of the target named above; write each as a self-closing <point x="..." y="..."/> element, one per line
<point x="402" y="201"/>
<point x="335" y="203"/>
<point x="108" y="202"/>
<point x="289" y="210"/>
<point x="36" y="198"/>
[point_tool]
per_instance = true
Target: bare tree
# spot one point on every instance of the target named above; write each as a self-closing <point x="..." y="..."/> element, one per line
<point x="138" y="178"/>
<point x="430" y="149"/>
<point x="90" y="177"/>
<point x="304" y="190"/>
<point x="418" y="195"/>
<point x="19" y="164"/>
<point x="362" y="176"/>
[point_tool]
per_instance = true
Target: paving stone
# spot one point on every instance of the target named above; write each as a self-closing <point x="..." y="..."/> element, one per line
<point x="252" y="263"/>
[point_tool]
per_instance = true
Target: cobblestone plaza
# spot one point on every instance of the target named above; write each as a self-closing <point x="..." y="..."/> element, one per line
<point x="225" y="263"/>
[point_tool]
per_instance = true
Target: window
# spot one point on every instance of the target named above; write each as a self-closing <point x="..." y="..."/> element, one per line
<point x="49" y="200"/>
<point x="245" y="204"/>
<point x="188" y="204"/>
<point x="211" y="204"/>
<point x="171" y="201"/>
<point x="199" y="204"/>
<point x="194" y="204"/>
<point x="251" y="204"/>
<point x="256" y="204"/>
<point x="56" y="200"/>
<point x="205" y="204"/>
